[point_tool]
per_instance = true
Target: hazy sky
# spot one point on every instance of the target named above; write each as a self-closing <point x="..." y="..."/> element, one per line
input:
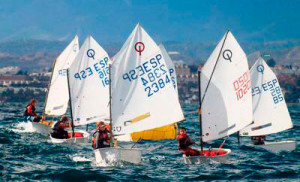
<point x="173" y="20"/>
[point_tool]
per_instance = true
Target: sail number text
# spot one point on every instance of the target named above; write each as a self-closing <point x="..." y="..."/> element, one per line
<point x="173" y="76"/>
<point x="62" y="72"/>
<point x="99" y="67"/>
<point x="272" y="87"/>
<point x="242" y="85"/>
<point x="152" y="74"/>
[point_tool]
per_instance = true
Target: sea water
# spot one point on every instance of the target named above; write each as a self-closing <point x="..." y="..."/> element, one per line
<point x="26" y="155"/>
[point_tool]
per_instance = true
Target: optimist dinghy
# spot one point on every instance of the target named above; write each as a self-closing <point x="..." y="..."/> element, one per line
<point x="80" y="136"/>
<point x="276" y="147"/>
<point x="209" y="155"/>
<point x="57" y="98"/>
<point x="224" y="97"/>
<point x="87" y="79"/>
<point x="42" y="127"/>
<point x="270" y="112"/>
<point x="168" y="132"/>
<point x="147" y="98"/>
<point x="116" y="154"/>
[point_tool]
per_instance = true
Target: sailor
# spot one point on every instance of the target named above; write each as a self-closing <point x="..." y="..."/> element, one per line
<point x="258" y="140"/>
<point x="101" y="138"/>
<point x="58" y="129"/>
<point x="30" y="113"/>
<point x="184" y="142"/>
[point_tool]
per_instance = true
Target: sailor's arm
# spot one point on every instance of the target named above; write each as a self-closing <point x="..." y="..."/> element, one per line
<point x="190" y="142"/>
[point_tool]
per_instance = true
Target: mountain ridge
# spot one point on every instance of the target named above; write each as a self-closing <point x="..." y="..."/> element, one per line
<point x="33" y="54"/>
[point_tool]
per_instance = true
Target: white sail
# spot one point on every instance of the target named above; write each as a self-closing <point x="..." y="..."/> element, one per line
<point x="227" y="102"/>
<point x="143" y="96"/>
<point x="170" y="66"/>
<point x="58" y="95"/>
<point x="270" y="113"/>
<point x="89" y="84"/>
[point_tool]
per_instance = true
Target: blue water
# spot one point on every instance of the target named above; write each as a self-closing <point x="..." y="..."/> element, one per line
<point x="30" y="156"/>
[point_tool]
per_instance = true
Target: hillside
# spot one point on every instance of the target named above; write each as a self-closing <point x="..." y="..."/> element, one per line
<point x="38" y="54"/>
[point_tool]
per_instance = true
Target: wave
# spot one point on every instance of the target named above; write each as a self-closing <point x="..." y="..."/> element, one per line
<point x="23" y="127"/>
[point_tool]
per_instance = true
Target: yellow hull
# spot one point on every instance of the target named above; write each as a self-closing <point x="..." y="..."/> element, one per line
<point x="168" y="132"/>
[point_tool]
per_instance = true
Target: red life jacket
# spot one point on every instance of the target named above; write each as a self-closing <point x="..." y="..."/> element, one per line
<point x="60" y="126"/>
<point x="103" y="137"/>
<point x="184" y="141"/>
<point x="30" y="110"/>
<point x="94" y="142"/>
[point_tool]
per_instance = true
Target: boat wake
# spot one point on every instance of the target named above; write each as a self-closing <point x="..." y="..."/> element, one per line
<point x="23" y="127"/>
<point x="78" y="158"/>
<point x="111" y="160"/>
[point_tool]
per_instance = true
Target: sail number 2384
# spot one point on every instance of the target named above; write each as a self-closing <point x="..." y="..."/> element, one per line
<point x="152" y="74"/>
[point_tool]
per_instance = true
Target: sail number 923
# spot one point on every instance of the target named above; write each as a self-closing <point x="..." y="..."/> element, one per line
<point x="271" y="86"/>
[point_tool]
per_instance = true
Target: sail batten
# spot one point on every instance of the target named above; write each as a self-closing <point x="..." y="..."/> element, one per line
<point x="270" y="113"/>
<point x="147" y="98"/>
<point x="58" y="96"/>
<point x="225" y="83"/>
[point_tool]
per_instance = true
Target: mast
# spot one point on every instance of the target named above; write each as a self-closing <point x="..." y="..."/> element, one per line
<point x="199" y="111"/>
<point x="49" y="84"/>
<point x="199" y="87"/>
<point x="214" y="66"/>
<point x="110" y="113"/>
<point x="70" y="103"/>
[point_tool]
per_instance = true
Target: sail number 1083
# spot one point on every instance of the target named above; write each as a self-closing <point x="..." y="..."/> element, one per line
<point x="242" y="85"/>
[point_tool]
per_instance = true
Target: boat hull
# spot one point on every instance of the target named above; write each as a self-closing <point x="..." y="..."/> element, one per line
<point x="207" y="158"/>
<point x="168" y="132"/>
<point x="277" y="147"/>
<point x="42" y="128"/>
<point x="84" y="138"/>
<point x="109" y="155"/>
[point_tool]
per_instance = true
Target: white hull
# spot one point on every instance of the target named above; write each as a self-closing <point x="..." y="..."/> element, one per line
<point x="124" y="138"/>
<point x="207" y="159"/>
<point x="277" y="147"/>
<point x="41" y="128"/>
<point x="84" y="139"/>
<point x="110" y="155"/>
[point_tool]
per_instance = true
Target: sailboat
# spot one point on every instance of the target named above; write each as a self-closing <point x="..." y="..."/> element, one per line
<point x="57" y="98"/>
<point x="225" y="101"/>
<point x="88" y="87"/>
<point x="168" y="132"/>
<point x="270" y="112"/>
<point x="142" y="94"/>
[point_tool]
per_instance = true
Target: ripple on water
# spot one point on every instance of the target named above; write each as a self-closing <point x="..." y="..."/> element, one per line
<point x="25" y="155"/>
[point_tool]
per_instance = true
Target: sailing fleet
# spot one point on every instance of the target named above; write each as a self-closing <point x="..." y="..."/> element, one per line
<point x="137" y="95"/>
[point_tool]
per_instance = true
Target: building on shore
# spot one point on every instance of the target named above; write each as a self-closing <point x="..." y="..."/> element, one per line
<point x="13" y="79"/>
